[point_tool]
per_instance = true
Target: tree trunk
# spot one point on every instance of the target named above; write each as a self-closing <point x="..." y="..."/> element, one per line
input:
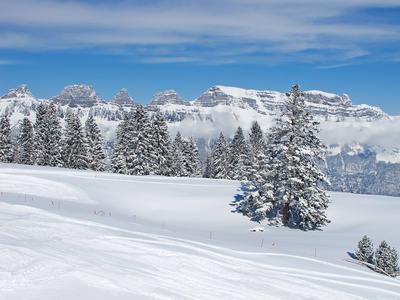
<point x="286" y="213"/>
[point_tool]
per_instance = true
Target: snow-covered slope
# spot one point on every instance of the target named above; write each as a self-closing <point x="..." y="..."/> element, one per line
<point x="69" y="234"/>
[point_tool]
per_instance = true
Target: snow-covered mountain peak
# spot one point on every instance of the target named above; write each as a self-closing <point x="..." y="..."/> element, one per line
<point x="167" y="97"/>
<point x="229" y="96"/>
<point x="319" y="97"/>
<point x="78" y="95"/>
<point x="18" y="93"/>
<point x="123" y="99"/>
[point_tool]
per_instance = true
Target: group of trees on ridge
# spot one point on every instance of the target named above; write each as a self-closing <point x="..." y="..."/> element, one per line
<point x="44" y="143"/>
<point x="279" y="170"/>
<point x="383" y="260"/>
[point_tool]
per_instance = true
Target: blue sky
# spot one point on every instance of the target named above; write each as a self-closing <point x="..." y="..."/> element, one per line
<point x="148" y="46"/>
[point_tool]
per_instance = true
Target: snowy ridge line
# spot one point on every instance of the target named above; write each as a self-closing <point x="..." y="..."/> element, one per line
<point x="99" y="216"/>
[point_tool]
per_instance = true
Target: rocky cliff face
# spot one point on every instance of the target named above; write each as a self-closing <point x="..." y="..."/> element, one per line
<point x="78" y="95"/>
<point x="123" y="99"/>
<point x="356" y="169"/>
<point x="362" y="168"/>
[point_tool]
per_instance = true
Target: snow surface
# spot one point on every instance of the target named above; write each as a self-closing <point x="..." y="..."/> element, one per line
<point x="67" y="234"/>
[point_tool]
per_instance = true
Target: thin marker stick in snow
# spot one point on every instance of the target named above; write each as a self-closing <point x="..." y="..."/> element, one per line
<point x="210" y="235"/>
<point x="315" y="252"/>
<point x="262" y="243"/>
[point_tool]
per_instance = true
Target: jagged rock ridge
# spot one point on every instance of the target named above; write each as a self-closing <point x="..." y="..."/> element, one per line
<point x="74" y="95"/>
<point x="123" y="99"/>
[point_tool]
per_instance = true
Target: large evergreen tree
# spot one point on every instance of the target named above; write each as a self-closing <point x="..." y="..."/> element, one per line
<point x="40" y="127"/>
<point x="220" y="158"/>
<point x="121" y="146"/>
<point x="26" y="143"/>
<point x="142" y="157"/>
<point x="178" y="168"/>
<point x="239" y="157"/>
<point x="75" y="148"/>
<point x="259" y="164"/>
<point x="386" y="259"/>
<point x="54" y="136"/>
<point x="48" y="136"/>
<point x="6" y="144"/>
<point x="365" y="251"/>
<point x="192" y="159"/>
<point x="94" y="139"/>
<point x="162" y="145"/>
<point x="291" y="192"/>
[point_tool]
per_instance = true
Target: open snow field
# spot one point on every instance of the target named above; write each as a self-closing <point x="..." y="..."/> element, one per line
<point x="67" y="234"/>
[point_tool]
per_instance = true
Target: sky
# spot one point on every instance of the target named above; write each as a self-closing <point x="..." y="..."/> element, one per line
<point x="149" y="46"/>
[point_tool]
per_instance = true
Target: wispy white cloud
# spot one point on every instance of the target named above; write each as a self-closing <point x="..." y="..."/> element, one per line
<point x="385" y="133"/>
<point x="225" y="29"/>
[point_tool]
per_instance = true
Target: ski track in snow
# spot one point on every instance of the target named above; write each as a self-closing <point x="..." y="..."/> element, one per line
<point x="60" y="255"/>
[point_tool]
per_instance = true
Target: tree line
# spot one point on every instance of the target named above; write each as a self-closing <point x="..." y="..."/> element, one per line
<point x="44" y="143"/>
<point x="144" y="147"/>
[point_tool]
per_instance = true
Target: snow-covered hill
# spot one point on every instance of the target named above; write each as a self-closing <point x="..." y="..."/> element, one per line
<point x="68" y="234"/>
<point x="363" y="141"/>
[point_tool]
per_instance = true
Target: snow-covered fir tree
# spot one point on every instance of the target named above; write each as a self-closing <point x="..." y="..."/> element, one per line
<point x="365" y="250"/>
<point x="142" y="156"/>
<point x="26" y="143"/>
<point x="75" y="147"/>
<point x="54" y="141"/>
<point x="178" y="168"/>
<point x="220" y="158"/>
<point x="258" y="156"/>
<point x="40" y="127"/>
<point x="48" y="136"/>
<point x="239" y="156"/>
<point x="291" y="192"/>
<point x="162" y="145"/>
<point x="96" y="155"/>
<point x="386" y="259"/>
<point x="192" y="159"/>
<point x="6" y="143"/>
<point x="121" y="146"/>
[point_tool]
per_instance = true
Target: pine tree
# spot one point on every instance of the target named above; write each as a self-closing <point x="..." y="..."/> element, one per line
<point x="6" y="144"/>
<point x="26" y="143"/>
<point x="259" y="164"/>
<point x="239" y="157"/>
<point x="386" y="259"/>
<point x="365" y="251"/>
<point x="192" y="159"/>
<point x="94" y="139"/>
<point x="75" y="149"/>
<point x="162" y="145"/>
<point x="54" y="136"/>
<point x="291" y="191"/>
<point x="220" y="158"/>
<point x="42" y="157"/>
<point x="178" y="168"/>
<point x="48" y="136"/>
<point x="121" y="147"/>
<point x="142" y="157"/>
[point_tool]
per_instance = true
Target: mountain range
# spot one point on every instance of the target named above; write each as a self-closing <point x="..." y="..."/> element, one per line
<point x="362" y="141"/>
